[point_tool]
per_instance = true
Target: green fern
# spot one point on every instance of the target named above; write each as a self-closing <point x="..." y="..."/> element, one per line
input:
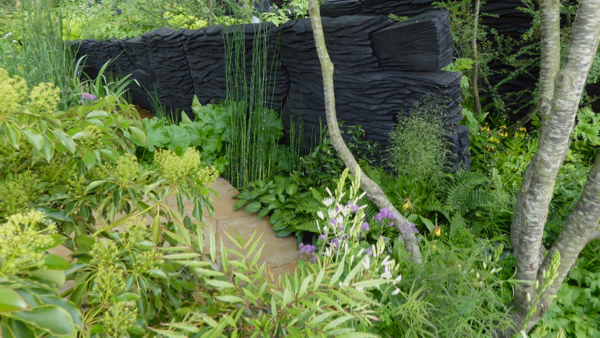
<point x="307" y="226"/>
<point x="460" y="187"/>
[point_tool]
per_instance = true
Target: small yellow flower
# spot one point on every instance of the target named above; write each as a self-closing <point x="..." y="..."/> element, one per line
<point x="407" y="205"/>
<point x="523" y="129"/>
<point x="437" y="230"/>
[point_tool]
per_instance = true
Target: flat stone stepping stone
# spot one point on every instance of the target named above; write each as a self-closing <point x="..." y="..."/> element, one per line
<point x="279" y="254"/>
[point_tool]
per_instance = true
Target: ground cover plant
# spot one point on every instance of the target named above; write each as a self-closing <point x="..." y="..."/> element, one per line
<point x="74" y="158"/>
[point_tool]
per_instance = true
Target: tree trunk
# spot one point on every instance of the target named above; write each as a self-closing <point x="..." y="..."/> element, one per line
<point x="536" y="191"/>
<point x="549" y="60"/>
<point x="374" y="192"/>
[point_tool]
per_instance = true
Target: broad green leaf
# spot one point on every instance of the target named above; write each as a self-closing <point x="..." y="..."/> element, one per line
<point x="209" y="273"/>
<point x="96" y="114"/>
<point x="89" y="159"/>
<point x="11" y="301"/>
<point x="239" y="204"/>
<point x="48" y="148"/>
<point x="65" y="139"/>
<point x="291" y="189"/>
<point x="13" y="136"/>
<point x="51" y="318"/>
<point x="181" y="256"/>
<point x="36" y="139"/>
<point x="253" y="207"/>
<point x="57" y="277"/>
<point x="138" y="135"/>
<point x="427" y="223"/>
<point x="337" y="322"/>
<point x="127" y="296"/>
<point x="55" y="262"/>
<point x="284" y="233"/>
<point x="371" y="283"/>
<point x="155" y="230"/>
<point x="264" y="212"/>
<point x="67" y="306"/>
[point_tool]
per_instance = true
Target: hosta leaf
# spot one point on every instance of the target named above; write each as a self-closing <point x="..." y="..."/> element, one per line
<point x="253" y="207"/>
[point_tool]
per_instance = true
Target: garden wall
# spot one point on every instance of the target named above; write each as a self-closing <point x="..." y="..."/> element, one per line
<point x="382" y="67"/>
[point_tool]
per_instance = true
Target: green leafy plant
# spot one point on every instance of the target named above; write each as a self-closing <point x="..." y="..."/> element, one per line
<point x="289" y="202"/>
<point x="207" y="133"/>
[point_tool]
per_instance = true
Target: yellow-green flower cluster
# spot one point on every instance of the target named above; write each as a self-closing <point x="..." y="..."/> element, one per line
<point x="134" y="233"/>
<point x="119" y="318"/>
<point x="207" y="175"/>
<point x="176" y="169"/>
<point x="109" y="282"/>
<point x="13" y="91"/>
<point x="104" y="252"/>
<point x="91" y="140"/>
<point x="126" y="170"/>
<point x="44" y="97"/>
<point x="21" y="242"/>
<point x="146" y="261"/>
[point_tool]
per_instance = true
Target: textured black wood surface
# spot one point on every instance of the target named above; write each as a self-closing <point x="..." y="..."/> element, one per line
<point x="382" y="68"/>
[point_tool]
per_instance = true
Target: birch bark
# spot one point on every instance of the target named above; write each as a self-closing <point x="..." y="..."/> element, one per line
<point x="374" y="192"/>
<point x="559" y="111"/>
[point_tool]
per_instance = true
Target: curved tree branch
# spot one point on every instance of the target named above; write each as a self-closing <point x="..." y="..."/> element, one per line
<point x="374" y="192"/>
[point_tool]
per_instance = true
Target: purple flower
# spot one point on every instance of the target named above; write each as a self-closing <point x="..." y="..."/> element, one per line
<point x="369" y="251"/>
<point x="355" y="208"/>
<point x="336" y="242"/>
<point x="384" y="214"/>
<point x="87" y="98"/>
<point x="307" y="249"/>
<point x="364" y="226"/>
<point x="334" y="221"/>
<point x="323" y="237"/>
<point x="270" y="8"/>
<point x="340" y="228"/>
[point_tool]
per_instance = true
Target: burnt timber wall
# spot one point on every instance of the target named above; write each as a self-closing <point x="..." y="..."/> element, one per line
<point x="382" y="68"/>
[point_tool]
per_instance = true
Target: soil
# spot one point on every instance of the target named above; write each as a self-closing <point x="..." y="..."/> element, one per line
<point x="144" y="113"/>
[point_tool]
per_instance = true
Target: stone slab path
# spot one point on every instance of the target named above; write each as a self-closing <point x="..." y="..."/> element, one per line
<point x="279" y="254"/>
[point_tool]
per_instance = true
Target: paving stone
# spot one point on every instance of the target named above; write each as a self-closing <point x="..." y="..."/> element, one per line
<point x="279" y="254"/>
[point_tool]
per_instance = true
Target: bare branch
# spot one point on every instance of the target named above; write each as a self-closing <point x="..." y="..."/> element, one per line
<point x="374" y="192"/>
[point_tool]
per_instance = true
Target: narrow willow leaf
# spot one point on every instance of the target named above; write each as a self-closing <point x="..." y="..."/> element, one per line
<point x="338" y="273"/>
<point x="320" y="319"/>
<point x="230" y="299"/>
<point x="219" y="284"/>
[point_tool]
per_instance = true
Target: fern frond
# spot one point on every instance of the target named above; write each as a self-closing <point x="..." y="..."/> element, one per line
<point x="310" y="226"/>
<point x="461" y="185"/>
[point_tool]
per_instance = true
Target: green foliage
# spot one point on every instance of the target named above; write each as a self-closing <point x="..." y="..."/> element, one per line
<point x="30" y="304"/>
<point x="288" y="200"/>
<point x="38" y="53"/>
<point x="459" y="294"/>
<point x="207" y="133"/>
<point x="415" y="156"/>
<point x="576" y="310"/>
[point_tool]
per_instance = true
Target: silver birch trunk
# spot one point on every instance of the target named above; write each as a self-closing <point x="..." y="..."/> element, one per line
<point x="374" y="192"/>
<point x="536" y="191"/>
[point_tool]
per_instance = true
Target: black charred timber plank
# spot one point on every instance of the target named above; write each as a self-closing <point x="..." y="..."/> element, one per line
<point x="422" y="43"/>
<point x="382" y="68"/>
